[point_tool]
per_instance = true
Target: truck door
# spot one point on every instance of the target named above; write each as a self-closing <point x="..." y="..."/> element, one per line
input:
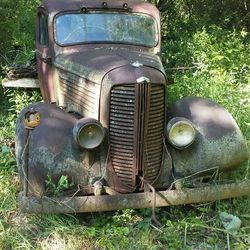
<point x="43" y="53"/>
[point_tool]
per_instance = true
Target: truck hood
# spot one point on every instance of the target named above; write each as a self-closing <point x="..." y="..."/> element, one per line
<point x="94" y="63"/>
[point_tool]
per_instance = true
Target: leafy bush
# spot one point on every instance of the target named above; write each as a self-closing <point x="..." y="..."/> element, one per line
<point x="12" y="102"/>
<point x="217" y="67"/>
<point x="58" y="188"/>
<point x="17" y="23"/>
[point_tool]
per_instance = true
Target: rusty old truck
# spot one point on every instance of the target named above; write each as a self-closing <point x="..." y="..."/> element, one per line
<point x="104" y="138"/>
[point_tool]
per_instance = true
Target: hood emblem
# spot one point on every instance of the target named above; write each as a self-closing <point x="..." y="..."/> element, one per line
<point x="143" y="79"/>
<point x="136" y="64"/>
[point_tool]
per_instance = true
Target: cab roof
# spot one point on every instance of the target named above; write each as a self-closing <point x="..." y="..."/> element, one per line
<point x="56" y="6"/>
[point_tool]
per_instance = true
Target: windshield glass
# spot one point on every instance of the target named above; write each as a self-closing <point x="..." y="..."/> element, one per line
<point x="105" y="27"/>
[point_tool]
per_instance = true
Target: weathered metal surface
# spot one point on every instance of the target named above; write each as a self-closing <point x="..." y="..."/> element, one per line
<point x="64" y="5"/>
<point x="88" y="133"/>
<point x="29" y="83"/>
<point x="52" y="150"/>
<point x="140" y="104"/>
<point x="115" y="72"/>
<point x="78" y="94"/>
<point x="82" y="76"/>
<point x="123" y="86"/>
<point x="46" y="54"/>
<point x="219" y="142"/>
<point x="154" y="111"/>
<point x="122" y="135"/>
<point x="136" y="132"/>
<point x="93" y="63"/>
<point x="136" y="200"/>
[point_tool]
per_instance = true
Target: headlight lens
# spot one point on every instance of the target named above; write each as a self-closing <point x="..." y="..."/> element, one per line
<point x="88" y="133"/>
<point x="180" y="132"/>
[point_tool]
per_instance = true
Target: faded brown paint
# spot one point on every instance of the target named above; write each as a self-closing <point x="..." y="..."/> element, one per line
<point x="123" y="87"/>
<point x="217" y="136"/>
<point x="46" y="55"/>
<point x="52" y="150"/>
<point x="82" y="77"/>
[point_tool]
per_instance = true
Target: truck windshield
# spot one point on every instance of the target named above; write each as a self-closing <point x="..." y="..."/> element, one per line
<point x="106" y="27"/>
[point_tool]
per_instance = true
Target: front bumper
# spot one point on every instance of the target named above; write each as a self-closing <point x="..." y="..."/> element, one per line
<point x="81" y="204"/>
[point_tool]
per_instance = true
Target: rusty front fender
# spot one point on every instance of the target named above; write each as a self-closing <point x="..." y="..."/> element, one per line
<point x="48" y="150"/>
<point x="219" y="143"/>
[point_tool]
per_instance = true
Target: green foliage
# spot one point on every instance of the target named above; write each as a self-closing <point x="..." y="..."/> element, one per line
<point x="218" y="68"/>
<point x="17" y="23"/>
<point x="180" y="15"/>
<point x="58" y="188"/>
<point x="211" y="39"/>
<point x="18" y="99"/>
<point x="7" y="159"/>
<point x="13" y="101"/>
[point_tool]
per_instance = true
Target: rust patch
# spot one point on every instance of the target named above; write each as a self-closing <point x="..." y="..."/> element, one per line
<point x="139" y="200"/>
<point x="52" y="150"/>
<point x="219" y="143"/>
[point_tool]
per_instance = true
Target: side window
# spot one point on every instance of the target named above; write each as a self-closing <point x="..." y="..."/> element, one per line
<point x="43" y="30"/>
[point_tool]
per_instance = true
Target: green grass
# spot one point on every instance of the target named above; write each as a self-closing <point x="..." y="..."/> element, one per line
<point x="219" y="62"/>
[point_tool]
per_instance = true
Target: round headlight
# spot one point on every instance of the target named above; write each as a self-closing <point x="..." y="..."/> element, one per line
<point x="180" y="132"/>
<point x="88" y="133"/>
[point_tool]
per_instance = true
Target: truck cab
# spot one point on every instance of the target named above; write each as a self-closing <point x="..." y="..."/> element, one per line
<point x="94" y="37"/>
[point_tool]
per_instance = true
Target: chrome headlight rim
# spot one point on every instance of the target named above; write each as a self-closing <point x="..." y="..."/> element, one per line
<point x="85" y="123"/>
<point x="174" y="126"/>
